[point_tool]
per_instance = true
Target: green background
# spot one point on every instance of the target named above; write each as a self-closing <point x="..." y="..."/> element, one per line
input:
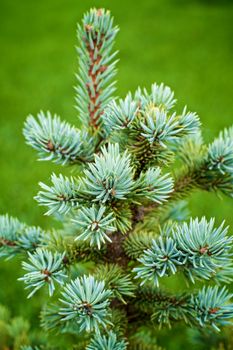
<point x="186" y="44"/>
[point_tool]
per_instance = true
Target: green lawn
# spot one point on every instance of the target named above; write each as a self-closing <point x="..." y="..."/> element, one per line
<point x="186" y="44"/>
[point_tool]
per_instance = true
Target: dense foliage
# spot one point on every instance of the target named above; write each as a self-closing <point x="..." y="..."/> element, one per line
<point x="124" y="224"/>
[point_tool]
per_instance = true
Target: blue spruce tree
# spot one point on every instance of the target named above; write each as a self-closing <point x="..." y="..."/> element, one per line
<point x="126" y="228"/>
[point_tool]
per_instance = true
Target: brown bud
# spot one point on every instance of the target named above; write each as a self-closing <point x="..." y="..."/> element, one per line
<point x="102" y="69"/>
<point x="214" y="310"/>
<point x="88" y="27"/>
<point x="204" y="250"/>
<point x="50" y="146"/>
<point x="99" y="12"/>
<point x="46" y="272"/>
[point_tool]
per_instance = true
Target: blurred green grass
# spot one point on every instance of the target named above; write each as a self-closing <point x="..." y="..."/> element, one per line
<point x="186" y="44"/>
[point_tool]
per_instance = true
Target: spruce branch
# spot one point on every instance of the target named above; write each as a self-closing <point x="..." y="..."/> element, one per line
<point x="75" y="250"/>
<point x="17" y="237"/>
<point x="170" y="312"/>
<point x="61" y="197"/>
<point x="119" y="321"/>
<point x="190" y="150"/>
<point x="160" y="96"/>
<point x="159" y="261"/>
<point x="144" y="339"/>
<point x="207" y="168"/>
<point x="120" y="115"/>
<point x="220" y="153"/>
<point x="146" y="155"/>
<point x="9" y="230"/>
<point x="146" y="127"/>
<point x="109" y="342"/>
<point x="211" y="307"/>
<point x="204" y="247"/>
<point x="224" y="273"/>
<point x="86" y="301"/>
<point x="136" y="242"/>
<point x="123" y="215"/>
<point x="188" y="123"/>
<point x="154" y="186"/>
<point x="94" y="225"/>
<point x="116" y="280"/>
<point x="56" y="140"/>
<point x="31" y="238"/>
<point x="97" y="65"/>
<point x="160" y="128"/>
<point x="44" y="268"/>
<point x="198" y="249"/>
<point x="162" y="307"/>
<point x="217" y="170"/>
<point x="52" y="321"/>
<point x="110" y="176"/>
